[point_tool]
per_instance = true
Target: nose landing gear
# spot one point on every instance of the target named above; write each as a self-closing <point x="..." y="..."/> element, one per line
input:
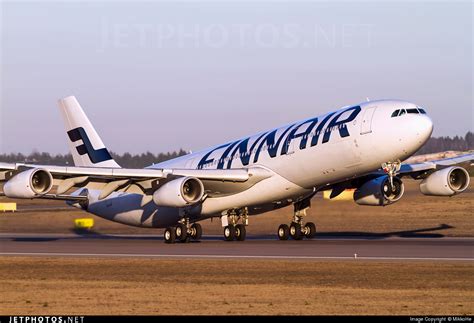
<point x="391" y="169"/>
<point x="297" y="228"/>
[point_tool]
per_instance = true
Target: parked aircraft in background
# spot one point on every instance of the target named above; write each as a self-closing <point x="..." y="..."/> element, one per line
<point x="358" y="146"/>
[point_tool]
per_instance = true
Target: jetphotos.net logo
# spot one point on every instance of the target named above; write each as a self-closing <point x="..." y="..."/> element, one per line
<point x="46" y="319"/>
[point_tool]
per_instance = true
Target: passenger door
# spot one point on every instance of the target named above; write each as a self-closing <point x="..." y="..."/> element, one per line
<point x="366" y="124"/>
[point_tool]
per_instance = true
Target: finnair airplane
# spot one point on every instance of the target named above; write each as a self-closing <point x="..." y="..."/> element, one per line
<point x="358" y="146"/>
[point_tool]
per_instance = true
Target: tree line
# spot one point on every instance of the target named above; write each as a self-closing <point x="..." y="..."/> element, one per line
<point x="439" y="144"/>
<point x="127" y="160"/>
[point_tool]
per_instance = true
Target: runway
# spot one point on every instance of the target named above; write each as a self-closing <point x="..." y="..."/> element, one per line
<point x="257" y="247"/>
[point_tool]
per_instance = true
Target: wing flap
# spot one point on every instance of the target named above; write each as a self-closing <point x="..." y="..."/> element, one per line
<point x="63" y="197"/>
<point x="232" y="175"/>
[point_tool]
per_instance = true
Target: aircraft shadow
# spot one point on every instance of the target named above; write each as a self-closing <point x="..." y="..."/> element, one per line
<point x="35" y="239"/>
<point x="417" y="233"/>
<point x="357" y="235"/>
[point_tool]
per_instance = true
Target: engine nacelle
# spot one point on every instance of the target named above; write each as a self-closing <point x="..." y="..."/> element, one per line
<point x="179" y="192"/>
<point x="445" y="182"/>
<point x="29" y="184"/>
<point x="378" y="191"/>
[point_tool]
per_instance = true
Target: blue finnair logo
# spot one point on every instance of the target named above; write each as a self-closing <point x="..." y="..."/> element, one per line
<point x="96" y="156"/>
<point x="275" y="145"/>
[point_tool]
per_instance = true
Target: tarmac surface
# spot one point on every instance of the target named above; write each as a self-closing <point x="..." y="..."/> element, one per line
<point x="255" y="247"/>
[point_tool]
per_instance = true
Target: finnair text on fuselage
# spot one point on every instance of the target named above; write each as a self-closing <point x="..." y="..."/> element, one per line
<point x="268" y="140"/>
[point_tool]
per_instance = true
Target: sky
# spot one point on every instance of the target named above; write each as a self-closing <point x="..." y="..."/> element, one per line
<point x="164" y="75"/>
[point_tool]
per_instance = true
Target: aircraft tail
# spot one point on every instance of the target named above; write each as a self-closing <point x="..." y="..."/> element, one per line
<point x="86" y="147"/>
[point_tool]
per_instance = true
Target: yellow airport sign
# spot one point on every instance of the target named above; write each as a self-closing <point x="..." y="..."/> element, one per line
<point x="11" y="207"/>
<point x="347" y="195"/>
<point x="84" y="223"/>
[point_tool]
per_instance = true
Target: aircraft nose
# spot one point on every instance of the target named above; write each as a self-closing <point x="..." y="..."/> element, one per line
<point x="424" y="127"/>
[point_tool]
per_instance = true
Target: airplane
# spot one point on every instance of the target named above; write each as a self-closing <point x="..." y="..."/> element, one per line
<point x="358" y="146"/>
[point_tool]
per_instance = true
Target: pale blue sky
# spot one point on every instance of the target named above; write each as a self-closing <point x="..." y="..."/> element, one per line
<point x="160" y="76"/>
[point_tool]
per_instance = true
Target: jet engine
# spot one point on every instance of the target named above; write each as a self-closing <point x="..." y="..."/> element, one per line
<point x="179" y="192"/>
<point x="29" y="184"/>
<point x="379" y="191"/>
<point x="445" y="182"/>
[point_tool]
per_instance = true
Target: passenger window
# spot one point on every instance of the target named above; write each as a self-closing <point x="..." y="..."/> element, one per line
<point x="395" y="113"/>
<point x="412" y="111"/>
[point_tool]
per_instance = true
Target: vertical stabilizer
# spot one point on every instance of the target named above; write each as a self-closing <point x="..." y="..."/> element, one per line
<point x="86" y="147"/>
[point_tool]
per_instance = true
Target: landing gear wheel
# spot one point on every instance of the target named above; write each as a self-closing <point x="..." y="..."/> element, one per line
<point x="387" y="189"/>
<point x="240" y="232"/>
<point x="170" y="235"/>
<point x="181" y="232"/>
<point x="396" y="188"/>
<point x="229" y="233"/>
<point x="295" y="231"/>
<point x="392" y="190"/>
<point x="310" y="230"/>
<point x="283" y="232"/>
<point x="196" y="231"/>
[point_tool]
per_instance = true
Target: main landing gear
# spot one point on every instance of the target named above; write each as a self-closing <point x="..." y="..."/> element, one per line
<point x="183" y="232"/>
<point x="297" y="229"/>
<point x="234" y="230"/>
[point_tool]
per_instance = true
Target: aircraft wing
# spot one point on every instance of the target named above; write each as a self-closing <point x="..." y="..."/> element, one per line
<point x="416" y="171"/>
<point x="217" y="182"/>
<point x="421" y="169"/>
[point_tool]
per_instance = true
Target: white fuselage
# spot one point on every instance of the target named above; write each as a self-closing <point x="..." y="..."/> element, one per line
<point x="303" y="157"/>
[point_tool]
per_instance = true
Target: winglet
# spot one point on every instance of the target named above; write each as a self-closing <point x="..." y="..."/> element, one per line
<point x="86" y="147"/>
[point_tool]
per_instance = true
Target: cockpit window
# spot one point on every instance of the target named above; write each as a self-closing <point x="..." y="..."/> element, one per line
<point x="400" y="112"/>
